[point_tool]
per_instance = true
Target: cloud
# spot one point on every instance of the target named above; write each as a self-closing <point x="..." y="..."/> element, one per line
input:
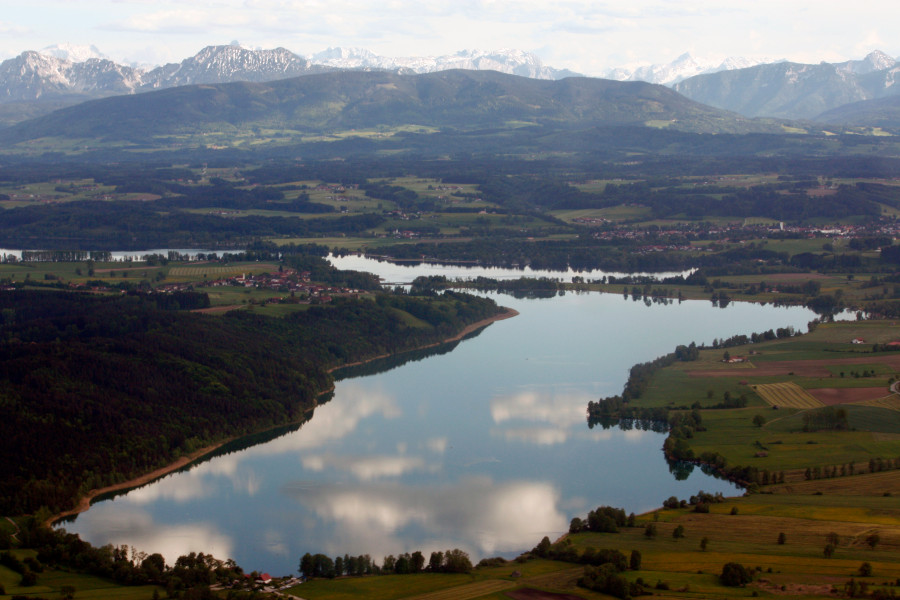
<point x="334" y="421"/>
<point x="541" y="436"/>
<point x="475" y="513"/>
<point x="437" y="445"/>
<point x="561" y="409"/>
<point x="13" y="29"/>
<point x="367" y="468"/>
<point x="136" y="527"/>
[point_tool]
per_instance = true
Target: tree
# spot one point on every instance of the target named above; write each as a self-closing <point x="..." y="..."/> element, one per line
<point x="306" y="565"/>
<point x="704" y="543"/>
<point x="417" y="562"/>
<point x="872" y="540"/>
<point x="650" y="530"/>
<point x="678" y="532"/>
<point x="759" y="420"/>
<point x="457" y="561"/>
<point x="389" y="563"/>
<point x="781" y="539"/>
<point x="67" y="591"/>
<point x="543" y="548"/>
<point x="576" y="525"/>
<point x="829" y="550"/>
<point x="435" y="563"/>
<point x="635" y="560"/>
<point x="865" y="570"/>
<point x="734" y="575"/>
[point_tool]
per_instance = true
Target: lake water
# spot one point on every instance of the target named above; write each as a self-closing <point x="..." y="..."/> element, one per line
<point x="484" y="447"/>
<point x="405" y="271"/>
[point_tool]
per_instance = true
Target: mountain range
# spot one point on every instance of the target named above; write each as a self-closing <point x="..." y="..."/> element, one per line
<point x="343" y="101"/>
<point x="36" y="83"/>
<point x="793" y="90"/>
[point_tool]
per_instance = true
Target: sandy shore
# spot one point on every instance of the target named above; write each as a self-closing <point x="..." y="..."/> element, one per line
<point x="84" y="502"/>
<point x="466" y="331"/>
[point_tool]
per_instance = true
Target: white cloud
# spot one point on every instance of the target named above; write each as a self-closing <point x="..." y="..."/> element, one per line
<point x="367" y="468"/>
<point x="473" y="514"/>
<point x="136" y="527"/>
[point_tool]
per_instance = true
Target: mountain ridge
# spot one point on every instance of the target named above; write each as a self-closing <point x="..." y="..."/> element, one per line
<point x="347" y="100"/>
<point x="792" y="90"/>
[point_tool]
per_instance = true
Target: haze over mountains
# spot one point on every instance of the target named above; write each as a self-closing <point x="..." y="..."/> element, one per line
<point x="794" y="90"/>
<point x="461" y="100"/>
<point x="35" y="83"/>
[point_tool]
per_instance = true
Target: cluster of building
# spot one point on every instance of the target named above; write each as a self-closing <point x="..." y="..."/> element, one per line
<point x="296" y="284"/>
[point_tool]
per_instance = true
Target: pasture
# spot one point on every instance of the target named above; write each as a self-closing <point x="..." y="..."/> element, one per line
<point x="786" y="395"/>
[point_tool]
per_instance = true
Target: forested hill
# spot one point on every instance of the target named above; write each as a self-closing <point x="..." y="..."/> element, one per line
<point x="97" y="390"/>
<point x="343" y="101"/>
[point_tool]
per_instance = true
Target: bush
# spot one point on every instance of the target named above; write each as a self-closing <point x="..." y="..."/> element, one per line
<point x="734" y="575"/>
<point x="635" y="561"/>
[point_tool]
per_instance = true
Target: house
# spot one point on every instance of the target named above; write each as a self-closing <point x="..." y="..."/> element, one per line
<point x="265" y="578"/>
<point x="857" y="341"/>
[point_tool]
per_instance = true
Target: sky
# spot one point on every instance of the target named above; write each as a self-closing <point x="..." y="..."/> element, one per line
<point x="582" y="35"/>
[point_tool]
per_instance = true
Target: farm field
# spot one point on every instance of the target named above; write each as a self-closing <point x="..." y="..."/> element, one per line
<point x="51" y="583"/>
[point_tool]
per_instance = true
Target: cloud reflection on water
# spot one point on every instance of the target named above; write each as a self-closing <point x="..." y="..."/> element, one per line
<point x="136" y="527"/>
<point x="476" y="513"/>
<point x="367" y="468"/>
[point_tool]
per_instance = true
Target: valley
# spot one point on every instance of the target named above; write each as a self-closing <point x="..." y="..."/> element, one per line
<point x="295" y="290"/>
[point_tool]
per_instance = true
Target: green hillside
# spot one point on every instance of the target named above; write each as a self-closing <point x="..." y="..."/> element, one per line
<point x="330" y="102"/>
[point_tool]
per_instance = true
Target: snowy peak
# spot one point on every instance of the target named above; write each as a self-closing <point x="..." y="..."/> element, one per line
<point x="73" y="52"/>
<point x="683" y="67"/>
<point x="33" y="76"/>
<point x="874" y="61"/>
<point x="515" y="62"/>
<point x="221" y="64"/>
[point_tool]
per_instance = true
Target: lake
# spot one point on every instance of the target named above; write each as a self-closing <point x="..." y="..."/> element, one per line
<point x="484" y="447"/>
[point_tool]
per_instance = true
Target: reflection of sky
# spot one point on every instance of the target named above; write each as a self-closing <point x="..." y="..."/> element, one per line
<point x="484" y="448"/>
<point x="404" y="273"/>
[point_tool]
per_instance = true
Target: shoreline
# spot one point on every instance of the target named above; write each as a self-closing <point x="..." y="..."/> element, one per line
<point x="85" y="501"/>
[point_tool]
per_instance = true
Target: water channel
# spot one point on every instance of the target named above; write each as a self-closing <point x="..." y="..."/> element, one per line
<point x="483" y="446"/>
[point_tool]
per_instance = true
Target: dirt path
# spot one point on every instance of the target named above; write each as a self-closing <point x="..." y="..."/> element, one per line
<point x="84" y="503"/>
<point x="510" y="313"/>
<point x="219" y="309"/>
<point x="14" y="536"/>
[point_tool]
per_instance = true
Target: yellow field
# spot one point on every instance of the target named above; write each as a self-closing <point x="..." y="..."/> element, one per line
<point x="467" y="592"/>
<point x="786" y="395"/>
<point x="209" y="271"/>
<point x="891" y="402"/>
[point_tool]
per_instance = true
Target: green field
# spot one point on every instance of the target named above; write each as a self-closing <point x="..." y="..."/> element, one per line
<point x="87" y="587"/>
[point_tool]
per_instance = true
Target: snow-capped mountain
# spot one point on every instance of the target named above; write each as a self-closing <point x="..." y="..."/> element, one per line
<point x="874" y="61"/>
<point x="681" y="68"/>
<point x="514" y="62"/>
<point x="73" y="52"/>
<point x="795" y="90"/>
<point x="34" y="76"/>
<point x="222" y="64"/>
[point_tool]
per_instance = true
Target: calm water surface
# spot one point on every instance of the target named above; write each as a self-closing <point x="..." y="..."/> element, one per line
<point x="406" y="271"/>
<point x="484" y="448"/>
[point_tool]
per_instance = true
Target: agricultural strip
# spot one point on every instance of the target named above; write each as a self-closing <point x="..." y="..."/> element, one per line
<point x="801" y="368"/>
<point x="832" y="396"/>
<point x="199" y="272"/>
<point x="891" y="402"/>
<point x="467" y="592"/>
<point x="786" y="395"/>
